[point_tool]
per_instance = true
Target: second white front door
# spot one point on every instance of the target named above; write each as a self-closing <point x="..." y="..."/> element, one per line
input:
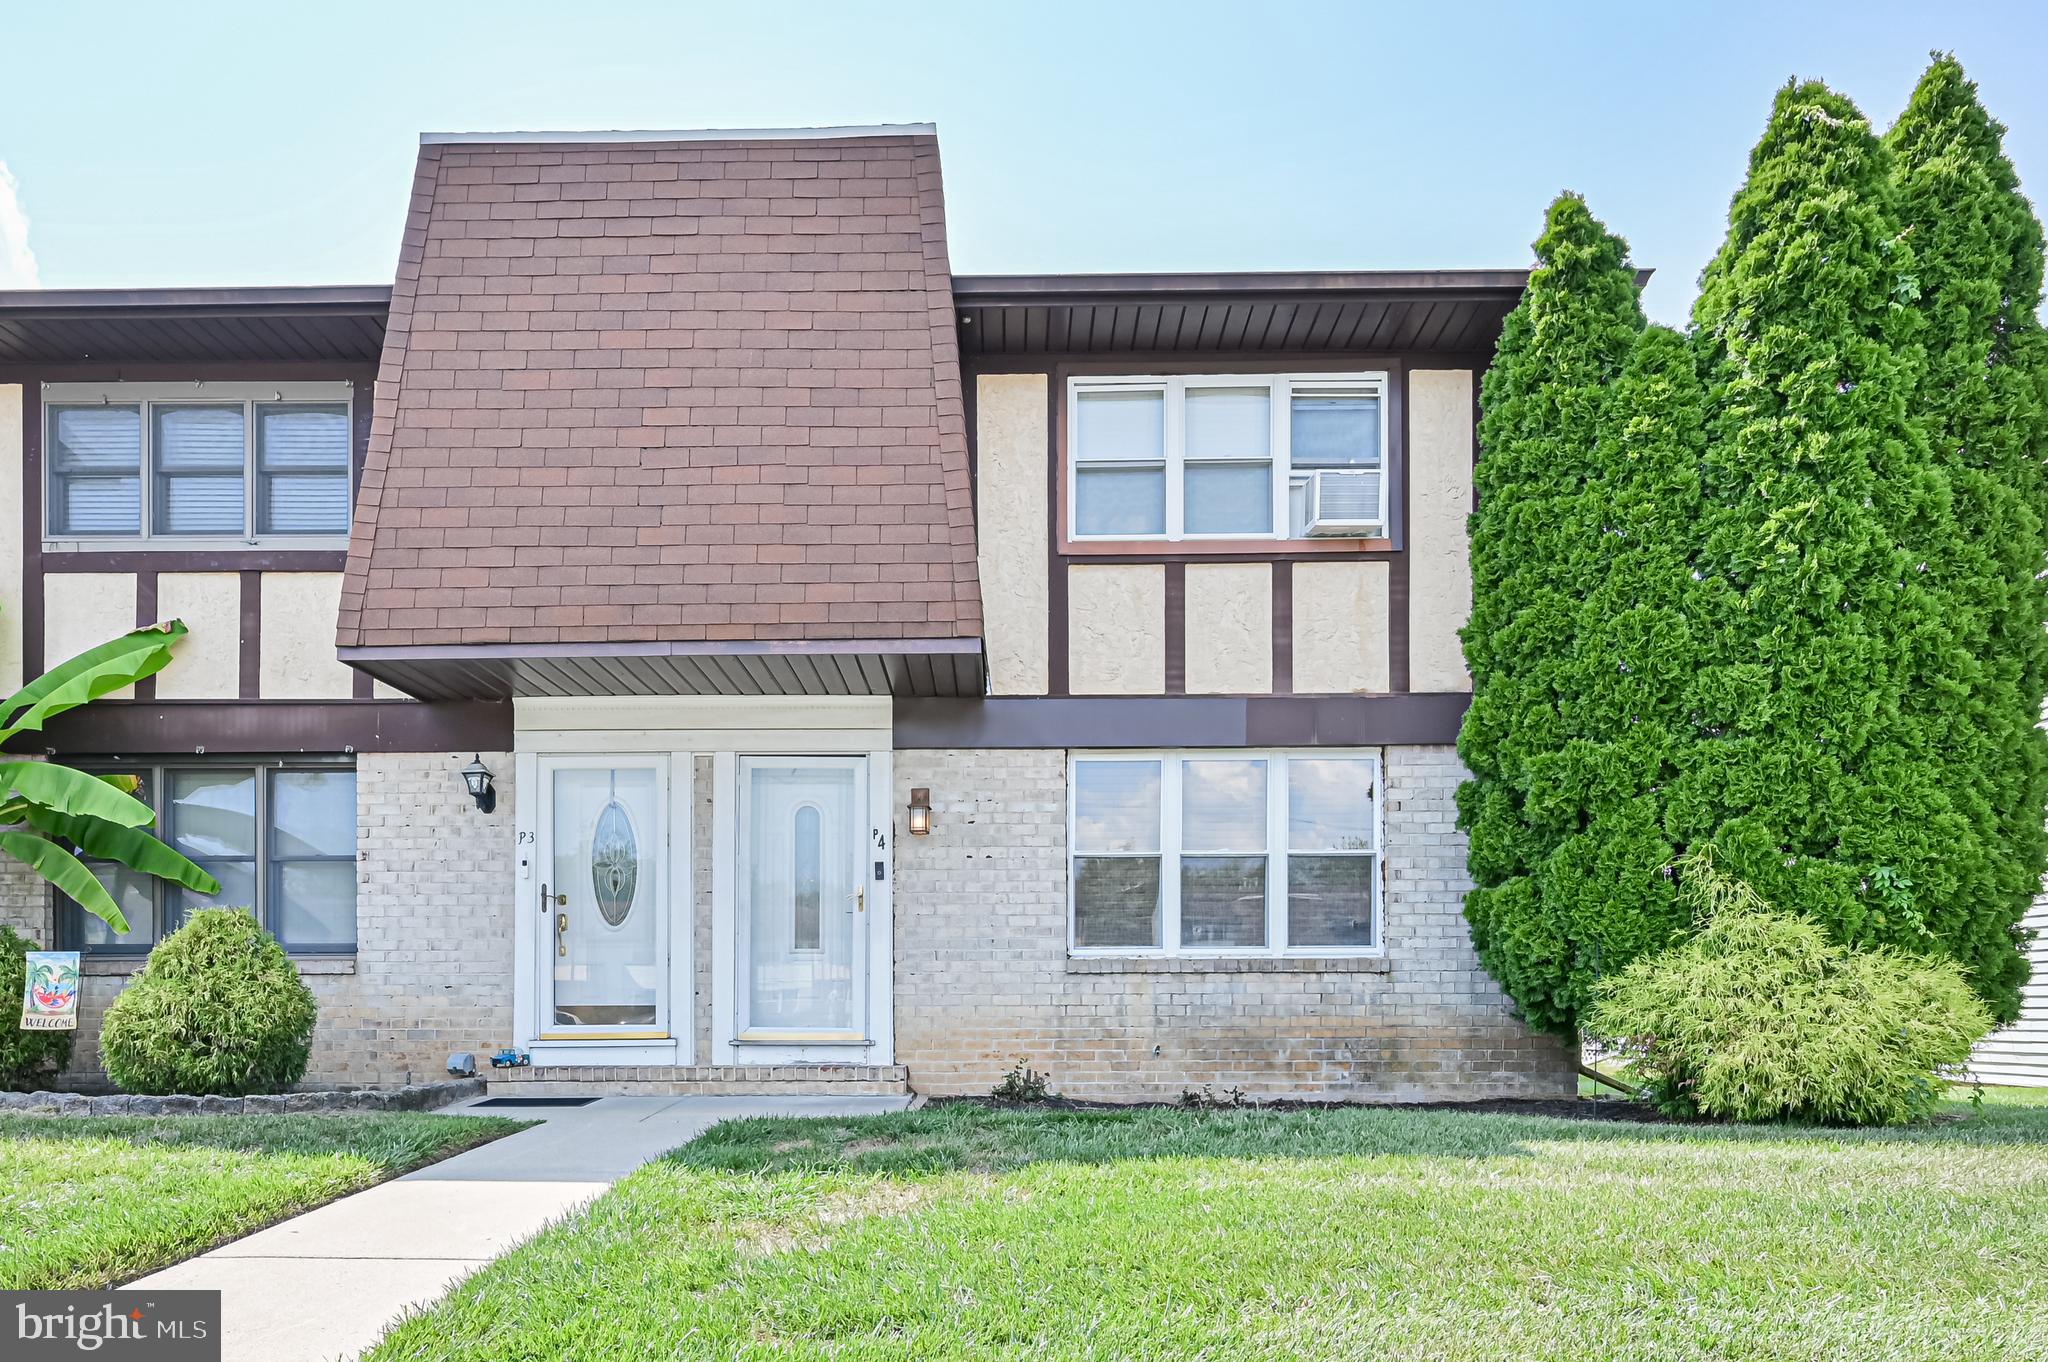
<point x="802" y="932"/>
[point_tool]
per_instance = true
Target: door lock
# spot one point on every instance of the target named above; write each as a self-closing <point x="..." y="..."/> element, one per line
<point x="562" y="931"/>
<point x="558" y="900"/>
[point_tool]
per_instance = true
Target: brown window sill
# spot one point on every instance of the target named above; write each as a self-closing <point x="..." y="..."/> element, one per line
<point x="1204" y="548"/>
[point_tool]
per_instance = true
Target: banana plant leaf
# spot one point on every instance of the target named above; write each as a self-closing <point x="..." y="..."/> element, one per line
<point x="67" y="872"/>
<point x="132" y="847"/>
<point x="95" y="672"/>
<point x="48" y="785"/>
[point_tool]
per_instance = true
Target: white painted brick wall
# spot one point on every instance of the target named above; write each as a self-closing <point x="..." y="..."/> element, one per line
<point x="983" y="979"/>
<point x="434" y="899"/>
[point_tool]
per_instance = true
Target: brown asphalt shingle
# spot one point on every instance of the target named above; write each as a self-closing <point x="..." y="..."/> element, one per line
<point x="668" y="392"/>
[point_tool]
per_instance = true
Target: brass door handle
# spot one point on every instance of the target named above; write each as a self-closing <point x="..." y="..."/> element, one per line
<point x="561" y="932"/>
<point x="860" y="899"/>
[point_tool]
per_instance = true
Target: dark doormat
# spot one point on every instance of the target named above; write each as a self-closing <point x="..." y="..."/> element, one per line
<point x="535" y="1102"/>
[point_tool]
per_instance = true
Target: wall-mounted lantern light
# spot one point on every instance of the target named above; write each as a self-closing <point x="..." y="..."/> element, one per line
<point x="920" y="811"/>
<point x="477" y="777"/>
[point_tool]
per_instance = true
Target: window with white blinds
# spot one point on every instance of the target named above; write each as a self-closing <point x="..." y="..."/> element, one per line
<point x="229" y="462"/>
<point x="1224" y="853"/>
<point x="1219" y="456"/>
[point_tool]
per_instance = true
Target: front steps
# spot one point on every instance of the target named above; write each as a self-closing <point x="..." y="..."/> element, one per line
<point x="701" y="1080"/>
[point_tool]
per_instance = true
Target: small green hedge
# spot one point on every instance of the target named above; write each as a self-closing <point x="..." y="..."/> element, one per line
<point x="1760" y="1017"/>
<point x="219" y="1009"/>
<point x="28" y="1059"/>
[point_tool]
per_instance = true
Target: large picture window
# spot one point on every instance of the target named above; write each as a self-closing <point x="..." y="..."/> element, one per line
<point x="222" y="462"/>
<point x="280" y="838"/>
<point x="1223" y="457"/>
<point x="1226" y="853"/>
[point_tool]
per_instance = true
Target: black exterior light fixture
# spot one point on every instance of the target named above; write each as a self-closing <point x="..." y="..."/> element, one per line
<point x="477" y="777"/>
<point x="920" y="812"/>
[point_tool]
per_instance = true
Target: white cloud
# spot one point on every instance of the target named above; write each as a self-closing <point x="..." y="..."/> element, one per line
<point x="17" y="261"/>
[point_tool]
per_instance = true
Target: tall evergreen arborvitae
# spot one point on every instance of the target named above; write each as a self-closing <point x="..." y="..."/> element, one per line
<point x="1831" y="709"/>
<point x="1535" y="546"/>
<point x="1977" y="248"/>
<point x="1626" y="702"/>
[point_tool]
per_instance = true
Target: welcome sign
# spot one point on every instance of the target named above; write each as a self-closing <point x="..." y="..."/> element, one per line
<point x="49" y="996"/>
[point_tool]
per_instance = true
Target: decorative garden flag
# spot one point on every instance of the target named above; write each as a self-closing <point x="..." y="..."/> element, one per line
<point x="49" y="1002"/>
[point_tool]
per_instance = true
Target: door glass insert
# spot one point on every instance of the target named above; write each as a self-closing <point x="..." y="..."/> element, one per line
<point x="614" y="864"/>
<point x="806" y="928"/>
<point x="804" y="907"/>
<point x="604" y="942"/>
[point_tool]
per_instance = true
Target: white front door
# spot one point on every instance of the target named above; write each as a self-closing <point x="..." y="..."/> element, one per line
<point x="603" y="949"/>
<point x="802" y="933"/>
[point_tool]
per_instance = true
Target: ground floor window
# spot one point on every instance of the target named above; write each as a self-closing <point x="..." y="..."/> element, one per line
<point x="280" y="836"/>
<point x="1224" y="853"/>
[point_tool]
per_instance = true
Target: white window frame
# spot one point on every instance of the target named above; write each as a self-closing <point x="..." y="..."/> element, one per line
<point x="249" y="396"/>
<point x="1170" y="830"/>
<point x="1280" y="412"/>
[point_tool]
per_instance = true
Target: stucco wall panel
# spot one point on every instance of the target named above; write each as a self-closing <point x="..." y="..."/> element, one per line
<point x="1439" y="502"/>
<point x="84" y="609"/>
<point x="1340" y="628"/>
<point x="208" y="664"/>
<point x="1116" y="625"/>
<point x="298" y="657"/>
<point x="1013" y="448"/>
<point x="1229" y="628"/>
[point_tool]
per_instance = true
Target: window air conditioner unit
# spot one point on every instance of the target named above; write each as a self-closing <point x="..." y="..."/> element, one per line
<point x="1344" y="504"/>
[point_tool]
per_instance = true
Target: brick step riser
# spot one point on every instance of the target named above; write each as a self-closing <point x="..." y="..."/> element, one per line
<point x="702" y="1081"/>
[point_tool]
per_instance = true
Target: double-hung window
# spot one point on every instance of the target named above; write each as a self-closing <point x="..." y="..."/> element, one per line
<point x="222" y="462"/>
<point x="1227" y="457"/>
<point x="280" y="838"/>
<point x="1224" y="853"/>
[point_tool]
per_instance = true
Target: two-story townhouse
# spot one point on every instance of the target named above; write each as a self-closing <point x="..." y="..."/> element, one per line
<point x="882" y="675"/>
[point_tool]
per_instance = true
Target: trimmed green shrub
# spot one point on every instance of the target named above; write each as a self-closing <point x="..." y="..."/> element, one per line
<point x="1760" y="1017"/>
<point x="1977" y="248"/>
<point x="1538" y="550"/>
<point x="218" y="1009"/>
<point x="28" y="1059"/>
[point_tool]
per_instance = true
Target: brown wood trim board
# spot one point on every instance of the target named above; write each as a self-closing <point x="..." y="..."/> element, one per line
<point x="131" y="727"/>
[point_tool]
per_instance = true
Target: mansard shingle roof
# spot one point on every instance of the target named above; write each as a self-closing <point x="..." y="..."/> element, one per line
<point x="651" y="391"/>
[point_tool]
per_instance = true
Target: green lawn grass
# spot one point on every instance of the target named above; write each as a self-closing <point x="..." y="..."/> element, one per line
<point x="956" y="1232"/>
<point x="94" y="1201"/>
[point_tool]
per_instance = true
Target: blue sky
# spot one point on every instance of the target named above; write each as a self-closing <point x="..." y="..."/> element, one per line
<point x="216" y="144"/>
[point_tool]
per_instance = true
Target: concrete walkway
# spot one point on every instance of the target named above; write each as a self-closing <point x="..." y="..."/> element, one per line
<point x="326" y="1284"/>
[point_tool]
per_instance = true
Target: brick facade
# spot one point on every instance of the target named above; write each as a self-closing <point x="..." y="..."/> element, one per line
<point x="433" y="965"/>
<point x="982" y="973"/>
<point x="983" y="978"/>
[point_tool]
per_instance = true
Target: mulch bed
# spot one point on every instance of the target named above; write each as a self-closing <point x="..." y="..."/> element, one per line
<point x="1566" y="1108"/>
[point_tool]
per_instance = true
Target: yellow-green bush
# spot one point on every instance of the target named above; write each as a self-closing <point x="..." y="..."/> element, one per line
<point x="218" y="1009"/>
<point x="1760" y="1017"/>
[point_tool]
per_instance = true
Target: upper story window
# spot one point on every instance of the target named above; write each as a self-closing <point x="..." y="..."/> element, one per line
<point x="219" y="462"/>
<point x="1228" y="457"/>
